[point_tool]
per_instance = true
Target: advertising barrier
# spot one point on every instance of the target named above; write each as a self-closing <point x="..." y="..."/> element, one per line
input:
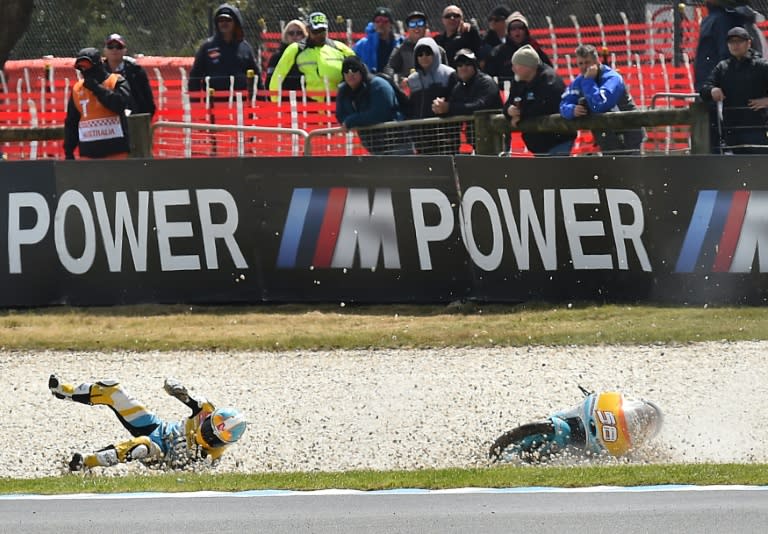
<point x="686" y="230"/>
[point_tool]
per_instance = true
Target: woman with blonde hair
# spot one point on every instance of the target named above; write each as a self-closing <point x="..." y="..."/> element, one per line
<point x="293" y="32"/>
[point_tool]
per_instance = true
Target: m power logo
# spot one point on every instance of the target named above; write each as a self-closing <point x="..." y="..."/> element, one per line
<point x="326" y="227"/>
<point x="727" y="229"/>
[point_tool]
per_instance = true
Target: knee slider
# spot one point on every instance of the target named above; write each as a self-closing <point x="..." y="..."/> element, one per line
<point x="138" y="452"/>
<point x="108" y="382"/>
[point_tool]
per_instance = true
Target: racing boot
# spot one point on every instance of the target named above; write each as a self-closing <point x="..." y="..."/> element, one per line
<point x="77" y="462"/>
<point x="59" y="389"/>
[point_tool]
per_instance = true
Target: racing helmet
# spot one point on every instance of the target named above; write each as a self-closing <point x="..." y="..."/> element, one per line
<point x="223" y="427"/>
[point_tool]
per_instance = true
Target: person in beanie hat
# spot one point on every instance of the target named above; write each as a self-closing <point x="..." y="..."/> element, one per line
<point x="535" y="91"/>
<point x="364" y="99"/>
<point x="499" y="62"/>
<point x="95" y="119"/>
<point x="115" y="48"/>
<point x="474" y="91"/>
<point x="380" y="40"/>
<point x="600" y="89"/>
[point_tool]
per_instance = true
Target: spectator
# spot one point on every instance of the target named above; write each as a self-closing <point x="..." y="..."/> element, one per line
<point x="431" y="79"/>
<point x="141" y="92"/>
<point x="294" y="32"/>
<point x="475" y="90"/>
<point x="496" y="34"/>
<point x="741" y="84"/>
<point x="380" y="40"/>
<point x="318" y="58"/>
<point x="96" y="111"/>
<point x="226" y="54"/>
<point x="499" y="62"/>
<point x="722" y="15"/>
<point x="534" y="92"/>
<point x="364" y="99"/>
<point x="600" y="89"/>
<point x="401" y="63"/>
<point x="458" y="34"/>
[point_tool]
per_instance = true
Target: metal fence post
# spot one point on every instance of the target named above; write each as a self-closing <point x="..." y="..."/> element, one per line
<point x="140" y="134"/>
<point x="487" y="141"/>
<point x="700" y="131"/>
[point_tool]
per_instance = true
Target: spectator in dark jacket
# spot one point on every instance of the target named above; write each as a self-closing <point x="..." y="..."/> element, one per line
<point x="458" y="34"/>
<point x="536" y="91"/>
<point x="116" y="61"/>
<point x="741" y="84"/>
<point x="474" y="91"/>
<point x="294" y="32"/>
<point x="499" y="61"/>
<point x="364" y="100"/>
<point x="401" y="64"/>
<point x="496" y="34"/>
<point x="722" y="15"/>
<point x="431" y="80"/>
<point x="226" y="53"/>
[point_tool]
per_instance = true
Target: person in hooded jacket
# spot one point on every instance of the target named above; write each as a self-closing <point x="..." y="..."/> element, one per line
<point x="475" y="90"/>
<point x="499" y="61"/>
<point x="363" y="100"/>
<point x="226" y="54"/>
<point x="96" y="119"/>
<point x="431" y="79"/>
<point x="379" y="41"/>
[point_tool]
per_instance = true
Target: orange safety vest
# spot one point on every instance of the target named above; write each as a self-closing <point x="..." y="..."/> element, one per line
<point x="97" y="122"/>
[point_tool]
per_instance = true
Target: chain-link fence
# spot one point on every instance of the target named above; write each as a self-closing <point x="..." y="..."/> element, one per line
<point x="176" y="27"/>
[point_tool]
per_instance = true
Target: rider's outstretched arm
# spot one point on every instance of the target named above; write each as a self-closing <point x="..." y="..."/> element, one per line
<point x="174" y="388"/>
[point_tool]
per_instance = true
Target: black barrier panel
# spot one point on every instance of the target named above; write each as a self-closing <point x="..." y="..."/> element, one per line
<point x="682" y="230"/>
<point x="26" y="188"/>
<point x="374" y="229"/>
<point x="140" y="231"/>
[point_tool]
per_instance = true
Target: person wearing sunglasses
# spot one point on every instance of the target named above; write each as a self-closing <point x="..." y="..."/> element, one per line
<point x="400" y="64"/>
<point x="496" y="34"/>
<point x="458" y="34"/>
<point x="379" y="41"/>
<point x="116" y="61"/>
<point x="499" y="60"/>
<point x="474" y="91"/>
<point x="365" y="99"/>
<point x="224" y="55"/>
<point x="293" y="32"/>
<point x="430" y="80"/>
<point x="317" y="57"/>
<point x="203" y="436"/>
<point x="95" y="121"/>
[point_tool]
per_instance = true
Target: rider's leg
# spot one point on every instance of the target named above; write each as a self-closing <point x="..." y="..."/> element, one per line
<point x="134" y="449"/>
<point x="132" y="414"/>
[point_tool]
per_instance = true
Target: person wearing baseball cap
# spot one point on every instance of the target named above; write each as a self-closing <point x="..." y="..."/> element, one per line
<point x="379" y="41"/>
<point x="115" y="48"/>
<point x="740" y="83"/>
<point x="401" y="63"/>
<point x="95" y="121"/>
<point x="534" y="92"/>
<point x="474" y="91"/>
<point x="224" y="55"/>
<point x="317" y="57"/>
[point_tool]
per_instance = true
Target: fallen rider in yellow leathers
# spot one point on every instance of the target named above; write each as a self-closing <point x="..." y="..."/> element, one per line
<point x="204" y="434"/>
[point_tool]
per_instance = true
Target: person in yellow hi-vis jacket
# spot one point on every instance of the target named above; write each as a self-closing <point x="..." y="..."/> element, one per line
<point x="96" y="111"/>
<point x="317" y="57"/>
<point x="203" y="435"/>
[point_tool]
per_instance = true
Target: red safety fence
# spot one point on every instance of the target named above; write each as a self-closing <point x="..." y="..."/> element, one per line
<point x="35" y="93"/>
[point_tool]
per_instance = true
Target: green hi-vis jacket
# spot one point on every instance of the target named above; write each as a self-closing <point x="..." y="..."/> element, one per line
<point x="316" y="63"/>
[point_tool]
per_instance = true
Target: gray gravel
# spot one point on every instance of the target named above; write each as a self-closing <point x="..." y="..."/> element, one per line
<point x="390" y="409"/>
